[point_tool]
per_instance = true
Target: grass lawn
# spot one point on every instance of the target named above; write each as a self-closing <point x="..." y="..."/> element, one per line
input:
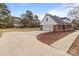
<point x="18" y="30"/>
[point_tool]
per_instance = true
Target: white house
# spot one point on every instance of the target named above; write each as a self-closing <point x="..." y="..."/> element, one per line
<point x="17" y="22"/>
<point x="54" y="23"/>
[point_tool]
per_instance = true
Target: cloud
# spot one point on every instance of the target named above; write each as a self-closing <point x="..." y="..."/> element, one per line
<point x="57" y="12"/>
<point x="63" y="11"/>
<point x="73" y="4"/>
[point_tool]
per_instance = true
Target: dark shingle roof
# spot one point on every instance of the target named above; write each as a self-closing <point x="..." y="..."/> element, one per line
<point x="15" y="17"/>
<point x="65" y="18"/>
<point x="57" y="19"/>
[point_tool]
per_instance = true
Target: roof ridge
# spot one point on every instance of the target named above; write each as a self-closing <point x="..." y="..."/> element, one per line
<point x="61" y="19"/>
<point x="57" y="19"/>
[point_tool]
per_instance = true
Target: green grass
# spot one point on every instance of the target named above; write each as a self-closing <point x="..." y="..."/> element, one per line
<point x="18" y="30"/>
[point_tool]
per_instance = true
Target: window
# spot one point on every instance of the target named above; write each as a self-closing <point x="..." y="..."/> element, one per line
<point x="46" y="19"/>
<point x="0" y="13"/>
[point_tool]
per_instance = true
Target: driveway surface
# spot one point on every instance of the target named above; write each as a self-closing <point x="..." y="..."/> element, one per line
<point x="25" y="44"/>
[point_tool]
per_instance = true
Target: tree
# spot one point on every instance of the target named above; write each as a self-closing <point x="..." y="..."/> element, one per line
<point x="5" y="17"/>
<point x="2" y="5"/>
<point x="29" y="14"/>
<point x="27" y="18"/>
<point x="25" y="22"/>
<point x="36" y="17"/>
<point x="23" y="16"/>
<point x="74" y="13"/>
<point x="36" y="21"/>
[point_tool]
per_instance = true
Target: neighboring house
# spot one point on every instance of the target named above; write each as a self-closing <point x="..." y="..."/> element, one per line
<point x="36" y="23"/>
<point x="55" y="24"/>
<point x="75" y="24"/>
<point x="17" y="22"/>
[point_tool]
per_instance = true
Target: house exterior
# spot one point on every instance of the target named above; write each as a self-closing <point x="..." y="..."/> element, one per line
<point x="75" y="24"/>
<point x="17" y="22"/>
<point x="66" y="20"/>
<point x="36" y="22"/>
<point x="53" y="23"/>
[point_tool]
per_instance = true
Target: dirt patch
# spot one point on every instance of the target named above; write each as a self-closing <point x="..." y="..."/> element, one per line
<point x="74" y="49"/>
<point x="51" y="37"/>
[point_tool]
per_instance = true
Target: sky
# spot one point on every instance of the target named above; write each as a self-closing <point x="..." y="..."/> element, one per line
<point x="40" y="9"/>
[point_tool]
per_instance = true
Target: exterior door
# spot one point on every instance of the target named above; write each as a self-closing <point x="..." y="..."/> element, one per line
<point x="48" y="28"/>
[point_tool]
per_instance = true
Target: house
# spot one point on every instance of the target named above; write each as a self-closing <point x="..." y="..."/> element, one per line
<point x="36" y="22"/>
<point x="66" y="20"/>
<point x="54" y="23"/>
<point x="17" y="22"/>
<point x="75" y="24"/>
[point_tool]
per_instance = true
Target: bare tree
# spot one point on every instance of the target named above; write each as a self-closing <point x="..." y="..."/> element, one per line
<point x="74" y="13"/>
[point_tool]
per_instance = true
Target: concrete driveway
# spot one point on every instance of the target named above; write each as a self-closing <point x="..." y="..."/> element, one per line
<point x="25" y="44"/>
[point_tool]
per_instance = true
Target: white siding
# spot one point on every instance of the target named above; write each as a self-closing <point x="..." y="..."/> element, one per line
<point x="49" y="22"/>
<point x="17" y="22"/>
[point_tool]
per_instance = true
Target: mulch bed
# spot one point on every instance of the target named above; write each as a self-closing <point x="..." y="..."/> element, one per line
<point x="74" y="49"/>
<point x="51" y="37"/>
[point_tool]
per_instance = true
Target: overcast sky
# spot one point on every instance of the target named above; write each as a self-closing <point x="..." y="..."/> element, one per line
<point x="40" y="9"/>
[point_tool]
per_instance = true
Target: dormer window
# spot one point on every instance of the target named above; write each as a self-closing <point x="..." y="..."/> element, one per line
<point x="46" y="19"/>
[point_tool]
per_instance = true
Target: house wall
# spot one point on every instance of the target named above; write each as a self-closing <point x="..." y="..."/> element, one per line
<point x="49" y="22"/>
<point x="53" y="26"/>
<point x="18" y="25"/>
<point x="47" y="25"/>
<point x="62" y="28"/>
<point x="69" y="27"/>
<point x="17" y="22"/>
<point x="58" y="28"/>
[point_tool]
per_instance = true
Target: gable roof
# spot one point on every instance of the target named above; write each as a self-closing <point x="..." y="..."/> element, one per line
<point x="56" y="19"/>
<point x="16" y="17"/>
<point x="17" y="20"/>
<point x="65" y="18"/>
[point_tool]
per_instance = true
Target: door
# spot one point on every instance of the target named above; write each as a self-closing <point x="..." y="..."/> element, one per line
<point x="48" y="28"/>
